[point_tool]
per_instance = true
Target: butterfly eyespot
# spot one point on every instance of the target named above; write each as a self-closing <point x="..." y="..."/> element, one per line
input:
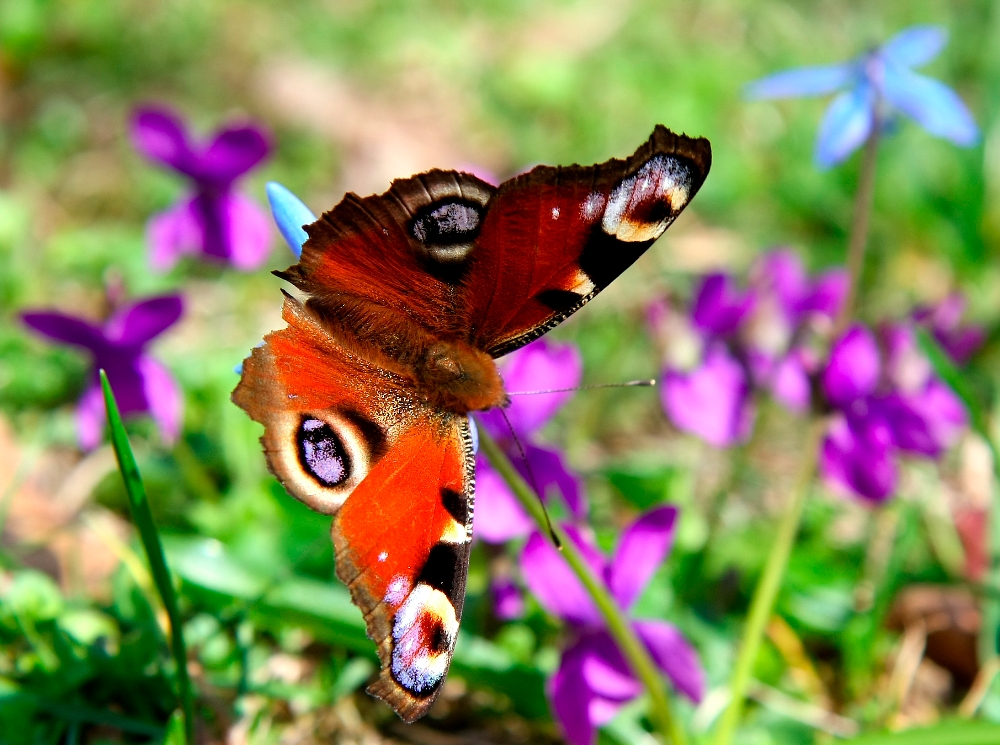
<point x="424" y="633"/>
<point x="446" y="231"/>
<point x="643" y="205"/>
<point x="322" y="453"/>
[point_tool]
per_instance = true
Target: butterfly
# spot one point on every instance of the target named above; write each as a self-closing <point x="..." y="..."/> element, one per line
<point x="365" y="396"/>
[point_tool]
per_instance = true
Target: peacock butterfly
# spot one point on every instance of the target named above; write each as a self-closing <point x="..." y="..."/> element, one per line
<point x="365" y="395"/>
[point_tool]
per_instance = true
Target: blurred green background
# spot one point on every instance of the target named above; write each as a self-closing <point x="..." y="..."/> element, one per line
<point x="357" y="92"/>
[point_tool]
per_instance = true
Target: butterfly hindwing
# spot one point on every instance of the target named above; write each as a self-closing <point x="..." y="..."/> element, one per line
<point x="351" y="440"/>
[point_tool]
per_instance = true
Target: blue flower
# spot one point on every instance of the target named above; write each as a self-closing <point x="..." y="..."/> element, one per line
<point x="878" y="83"/>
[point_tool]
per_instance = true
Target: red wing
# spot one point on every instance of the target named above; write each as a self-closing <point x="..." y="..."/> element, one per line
<point x="444" y="255"/>
<point x="555" y="237"/>
<point x="351" y="440"/>
<point x="402" y="541"/>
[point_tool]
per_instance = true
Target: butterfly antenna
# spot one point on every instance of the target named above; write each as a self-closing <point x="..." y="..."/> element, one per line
<point x="630" y="384"/>
<point x="531" y="478"/>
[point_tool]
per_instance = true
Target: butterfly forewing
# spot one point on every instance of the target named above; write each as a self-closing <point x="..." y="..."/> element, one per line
<point x="555" y="237"/>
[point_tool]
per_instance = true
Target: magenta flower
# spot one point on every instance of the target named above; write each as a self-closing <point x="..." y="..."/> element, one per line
<point x="539" y="366"/>
<point x="705" y="388"/>
<point x="594" y="680"/>
<point x="944" y="321"/>
<point x="791" y="309"/>
<point x="888" y="402"/>
<point x="214" y="220"/>
<point x="141" y="384"/>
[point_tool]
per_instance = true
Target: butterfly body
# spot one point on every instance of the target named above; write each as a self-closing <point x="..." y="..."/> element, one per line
<point x="411" y="295"/>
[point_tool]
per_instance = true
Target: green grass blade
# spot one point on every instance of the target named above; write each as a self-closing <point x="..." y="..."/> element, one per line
<point x="150" y="536"/>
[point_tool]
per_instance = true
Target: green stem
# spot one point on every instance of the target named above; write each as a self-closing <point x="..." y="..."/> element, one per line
<point x="990" y="628"/>
<point x="762" y="604"/>
<point x="143" y="518"/>
<point x="638" y="658"/>
<point x="858" y="239"/>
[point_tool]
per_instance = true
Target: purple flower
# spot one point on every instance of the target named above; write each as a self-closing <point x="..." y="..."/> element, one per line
<point x="141" y="384"/>
<point x="712" y="401"/>
<point x="875" y="81"/>
<point x="945" y="322"/>
<point x="888" y="402"/>
<point x="539" y="366"/>
<point x="705" y="389"/>
<point x="791" y="309"/>
<point x="214" y="220"/>
<point x="594" y="680"/>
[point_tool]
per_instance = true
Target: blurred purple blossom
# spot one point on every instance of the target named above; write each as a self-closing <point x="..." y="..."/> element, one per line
<point x="508" y="602"/>
<point x="214" y="219"/>
<point x="736" y="340"/>
<point x="538" y="366"/>
<point x="877" y="82"/>
<point x="888" y="402"/>
<point x="594" y="680"/>
<point x="141" y="384"/>
<point x="944" y="321"/>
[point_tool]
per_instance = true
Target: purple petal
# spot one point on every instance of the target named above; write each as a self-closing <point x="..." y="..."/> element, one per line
<point x="915" y="46"/>
<point x="163" y="396"/>
<point x="642" y="548"/>
<point x="553" y="583"/>
<point x="498" y="516"/>
<point x="944" y="319"/>
<point x="907" y="368"/>
<point x="854" y="367"/>
<point x="828" y="293"/>
<point x="675" y="656"/>
<point x="859" y="460"/>
<point x="790" y="384"/>
<point x="540" y="366"/>
<point x="719" y="306"/>
<point x="173" y="233"/>
<point x="90" y="418"/>
<point x="550" y="470"/>
<point x="802" y="81"/>
<point x="508" y="602"/>
<point x="249" y="232"/>
<point x="138" y="324"/>
<point x="932" y="104"/>
<point x="963" y="343"/>
<point x="126" y="379"/>
<point x="65" y="328"/>
<point x="606" y="672"/>
<point x="571" y="698"/>
<point x="233" y="152"/>
<point x="781" y="273"/>
<point x="846" y="125"/>
<point x="712" y="401"/>
<point x="926" y="423"/>
<point x="159" y="134"/>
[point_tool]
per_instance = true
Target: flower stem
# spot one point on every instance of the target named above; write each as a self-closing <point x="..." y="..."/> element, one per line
<point x="858" y="240"/>
<point x="638" y="658"/>
<point x="762" y="604"/>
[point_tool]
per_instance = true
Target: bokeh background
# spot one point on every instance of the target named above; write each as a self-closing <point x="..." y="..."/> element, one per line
<point x="355" y="93"/>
